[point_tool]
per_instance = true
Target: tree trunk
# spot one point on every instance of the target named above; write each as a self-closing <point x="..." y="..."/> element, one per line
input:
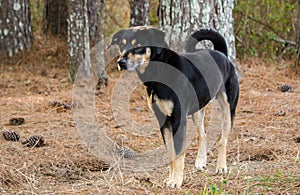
<point x="139" y="12"/>
<point x="298" y="40"/>
<point x="180" y="18"/>
<point x="97" y="53"/>
<point x="93" y="11"/>
<point x="15" y="26"/>
<point x="55" y="17"/>
<point x="78" y="39"/>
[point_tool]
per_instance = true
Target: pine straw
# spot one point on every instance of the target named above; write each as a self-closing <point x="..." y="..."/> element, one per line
<point x="261" y="144"/>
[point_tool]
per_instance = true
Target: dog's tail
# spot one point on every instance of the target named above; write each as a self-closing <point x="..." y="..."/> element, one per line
<point x="206" y="34"/>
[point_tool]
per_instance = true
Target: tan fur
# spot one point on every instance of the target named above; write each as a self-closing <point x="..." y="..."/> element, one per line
<point x="133" y="42"/>
<point x="149" y="100"/>
<point x="201" y="158"/>
<point x="165" y="106"/>
<point x="145" y="58"/>
<point x="124" y="41"/>
<point x="176" y="172"/>
<point x="122" y="53"/>
<point x="226" y="127"/>
<point x="176" y="163"/>
<point x="169" y="142"/>
<point x="168" y="135"/>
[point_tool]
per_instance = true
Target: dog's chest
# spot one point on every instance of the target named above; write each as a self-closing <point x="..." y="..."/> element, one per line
<point x="164" y="104"/>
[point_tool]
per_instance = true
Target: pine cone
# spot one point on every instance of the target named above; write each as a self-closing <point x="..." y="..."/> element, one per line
<point x="16" y="121"/>
<point x="124" y="152"/>
<point x="34" y="141"/>
<point x="61" y="105"/>
<point x="11" y="136"/>
<point x="285" y="88"/>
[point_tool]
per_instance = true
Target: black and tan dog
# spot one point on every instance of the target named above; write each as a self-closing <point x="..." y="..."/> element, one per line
<point x="182" y="84"/>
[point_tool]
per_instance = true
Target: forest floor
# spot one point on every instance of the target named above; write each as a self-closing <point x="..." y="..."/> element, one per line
<point x="263" y="149"/>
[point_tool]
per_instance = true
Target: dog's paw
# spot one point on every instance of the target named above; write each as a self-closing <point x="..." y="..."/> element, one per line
<point x="174" y="183"/>
<point x="200" y="163"/>
<point x="221" y="169"/>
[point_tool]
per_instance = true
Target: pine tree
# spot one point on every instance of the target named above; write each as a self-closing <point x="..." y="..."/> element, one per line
<point x="180" y="18"/>
<point x="15" y="26"/>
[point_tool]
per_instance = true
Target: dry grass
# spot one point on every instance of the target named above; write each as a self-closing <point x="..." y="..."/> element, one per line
<point x="263" y="152"/>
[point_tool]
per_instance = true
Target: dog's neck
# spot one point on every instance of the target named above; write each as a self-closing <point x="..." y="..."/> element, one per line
<point x="158" y="66"/>
<point x="164" y="56"/>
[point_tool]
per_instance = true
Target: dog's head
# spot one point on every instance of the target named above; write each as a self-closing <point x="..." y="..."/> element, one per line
<point x="138" y="45"/>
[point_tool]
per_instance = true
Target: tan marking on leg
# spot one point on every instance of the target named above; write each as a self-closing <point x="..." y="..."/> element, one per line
<point x="171" y="172"/>
<point x="226" y="127"/>
<point x="165" y="106"/>
<point x="169" y="142"/>
<point x="176" y="164"/>
<point x="201" y="159"/>
<point x="176" y="179"/>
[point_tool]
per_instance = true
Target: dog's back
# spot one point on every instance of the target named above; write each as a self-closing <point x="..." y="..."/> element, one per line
<point x="217" y="55"/>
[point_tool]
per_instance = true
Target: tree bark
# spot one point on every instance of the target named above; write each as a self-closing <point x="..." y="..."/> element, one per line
<point x="97" y="53"/>
<point x="139" y="12"/>
<point x="15" y="26"/>
<point x="94" y="22"/>
<point x="298" y="39"/>
<point x="78" y="39"/>
<point x="180" y="18"/>
<point x="55" y="17"/>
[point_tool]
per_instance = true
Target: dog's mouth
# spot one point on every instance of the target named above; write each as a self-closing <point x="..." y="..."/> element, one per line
<point x="137" y="60"/>
<point x="128" y="65"/>
<point x="133" y="68"/>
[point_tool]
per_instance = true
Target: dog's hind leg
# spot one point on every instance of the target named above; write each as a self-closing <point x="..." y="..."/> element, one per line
<point x="201" y="158"/>
<point x="226" y="127"/>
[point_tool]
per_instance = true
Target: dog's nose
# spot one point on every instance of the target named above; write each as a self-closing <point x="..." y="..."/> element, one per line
<point x="122" y="63"/>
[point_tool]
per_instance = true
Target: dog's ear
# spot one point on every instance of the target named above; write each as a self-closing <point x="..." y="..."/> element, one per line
<point x="157" y="39"/>
<point x="116" y="39"/>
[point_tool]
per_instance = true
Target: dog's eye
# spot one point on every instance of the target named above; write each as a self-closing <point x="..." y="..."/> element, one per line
<point x="138" y="48"/>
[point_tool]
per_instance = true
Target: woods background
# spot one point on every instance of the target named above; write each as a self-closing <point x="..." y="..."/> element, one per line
<point x="45" y="40"/>
<point x="264" y="29"/>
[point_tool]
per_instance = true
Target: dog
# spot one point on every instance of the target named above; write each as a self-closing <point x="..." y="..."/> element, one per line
<point x="179" y="85"/>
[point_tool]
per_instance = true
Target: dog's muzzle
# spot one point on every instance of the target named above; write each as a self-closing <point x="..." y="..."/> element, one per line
<point x="122" y="64"/>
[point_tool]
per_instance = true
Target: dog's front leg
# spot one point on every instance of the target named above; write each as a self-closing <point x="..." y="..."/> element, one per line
<point x="176" y="166"/>
<point x="175" y="145"/>
<point x="166" y="131"/>
<point x="173" y="130"/>
<point x="176" y="163"/>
